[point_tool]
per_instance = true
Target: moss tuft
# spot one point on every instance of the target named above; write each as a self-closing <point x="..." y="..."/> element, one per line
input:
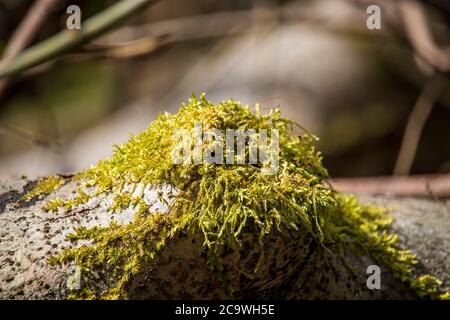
<point x="45" y="186"/>
<point x="222" y="201"/>
<point x="427" y="286"/>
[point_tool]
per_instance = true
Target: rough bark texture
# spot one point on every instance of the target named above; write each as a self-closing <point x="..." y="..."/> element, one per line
<point x="29" y="236"/>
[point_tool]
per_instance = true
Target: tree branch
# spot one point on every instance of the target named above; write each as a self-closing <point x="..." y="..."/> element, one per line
<point x="67" y="40"/>
<point x="425" y="186"/>
<point x="25" y="33"/>
<point x="419" y="33"/>
<point x="421" y="111"/>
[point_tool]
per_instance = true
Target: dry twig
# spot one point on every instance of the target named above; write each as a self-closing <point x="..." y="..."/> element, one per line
<point x="67" y="40"/>
<point x="25" y="33"/>
<point x="421" y="111"/>
<point x="425" y="186"/>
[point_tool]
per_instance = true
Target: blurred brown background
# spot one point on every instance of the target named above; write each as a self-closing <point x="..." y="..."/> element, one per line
<point x="355" y="88"/>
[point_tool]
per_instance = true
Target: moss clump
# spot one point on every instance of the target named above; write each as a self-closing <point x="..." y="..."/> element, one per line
<point x="44" y="186"/>
<point x="426" y="286"/>
<point x="221" y="201"/>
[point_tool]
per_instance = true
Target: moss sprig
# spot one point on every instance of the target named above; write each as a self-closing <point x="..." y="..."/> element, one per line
<point x="43" y="187"/>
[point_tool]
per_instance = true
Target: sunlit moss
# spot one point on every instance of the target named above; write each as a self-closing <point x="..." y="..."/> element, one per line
<point x="427" y="285"/>
<point x="222" y="201"/>
<point x="45" y="186"/>
<point x="445" y="296"/>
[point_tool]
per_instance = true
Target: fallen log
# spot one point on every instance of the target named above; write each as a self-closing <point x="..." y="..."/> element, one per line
<point x="29" y="236"/>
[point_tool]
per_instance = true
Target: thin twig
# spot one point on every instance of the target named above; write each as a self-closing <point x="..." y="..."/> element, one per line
<point x="412" y="186"/>
<point x="73" y="214"/>
<point x="66" y="40"/>
<point x="192" y="28"/>
<point x="119" y="50"/>
<point x="417" y="119"/>
<point x="25" y="33"/>
<point x="30" y="136"/>
<point x="418" y="30"/>
<point x="419" y="33"/>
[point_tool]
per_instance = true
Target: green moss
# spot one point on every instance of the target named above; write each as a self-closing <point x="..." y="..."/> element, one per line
<point x="45" y="186"/>
<point x="427" y="285"/>
<point x="445" y="296"/>
<point x="223" y="201"/>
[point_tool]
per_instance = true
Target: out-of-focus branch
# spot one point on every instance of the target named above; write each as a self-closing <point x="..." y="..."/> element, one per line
<point x="119" y="50"/>
<point x="426" y="186"/>
<point x="66" y="40"/>
<point x="155" y="35"/>
<point x="437" y="60"/>
<point x="243" y="21"/>
<point x="429" y="96"/>
<point x="418" y="31"/>
<point x="28" y="27"/>
<point x="25" y="33"/>
<point x="29" y="136"/>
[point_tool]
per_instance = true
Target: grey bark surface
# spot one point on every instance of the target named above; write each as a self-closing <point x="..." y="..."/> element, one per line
<point x="29" y="236"/>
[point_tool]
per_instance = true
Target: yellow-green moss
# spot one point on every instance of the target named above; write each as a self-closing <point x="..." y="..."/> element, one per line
<point x="445" y="296"/>
<point x="45" y="186"/>
<point x="220" y="201"/>
<point x="426" y="285"/>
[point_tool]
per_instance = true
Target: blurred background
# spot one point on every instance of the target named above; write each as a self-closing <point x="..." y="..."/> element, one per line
<point x="357" y="89"/>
